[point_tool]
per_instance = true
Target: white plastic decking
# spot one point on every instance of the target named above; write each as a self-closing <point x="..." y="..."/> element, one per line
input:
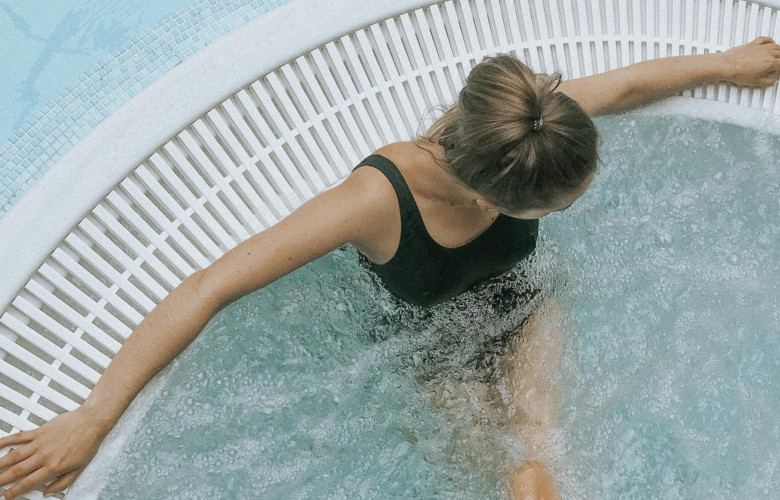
<point x="239" y="135"/>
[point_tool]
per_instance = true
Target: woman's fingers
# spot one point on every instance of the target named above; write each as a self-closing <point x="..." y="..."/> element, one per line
<point x="62" y="482"/>
<point x="755" y="64"/>
<point x="17" y="438"/>
<point x="15" y="456"/>
<point x="17" y="462"/>
<point x="28" y="483"/>
<point x="20" y="470"/>
<point x="54" y="453"/>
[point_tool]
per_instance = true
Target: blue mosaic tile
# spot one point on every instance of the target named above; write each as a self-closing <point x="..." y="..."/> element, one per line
<point x="103" y="89"/>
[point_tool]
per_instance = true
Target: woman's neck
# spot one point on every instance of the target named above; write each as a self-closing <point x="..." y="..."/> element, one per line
<point x="438" y="183"/>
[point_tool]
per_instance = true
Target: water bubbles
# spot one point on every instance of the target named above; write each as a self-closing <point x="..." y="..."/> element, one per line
<point x="682" y="277"/>
<point x="322" y="385"/>
<point x="663" y="238"/>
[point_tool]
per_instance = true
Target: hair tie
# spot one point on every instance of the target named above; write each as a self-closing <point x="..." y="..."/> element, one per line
<point x="538" y="124"/>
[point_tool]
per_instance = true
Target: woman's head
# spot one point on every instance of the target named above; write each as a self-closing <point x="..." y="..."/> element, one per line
<point x="514" y="140"/>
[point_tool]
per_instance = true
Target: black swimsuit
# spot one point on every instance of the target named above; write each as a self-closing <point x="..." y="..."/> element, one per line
<point x="425" y="273"/>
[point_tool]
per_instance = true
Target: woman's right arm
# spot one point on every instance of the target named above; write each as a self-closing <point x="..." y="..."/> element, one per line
<point x="61" y="449"/>
<point x="754" y="64"/>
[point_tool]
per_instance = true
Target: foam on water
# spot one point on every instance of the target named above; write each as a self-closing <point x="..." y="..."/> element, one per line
<point x="671" y="376"/>
<point x="319" y="386"/>
<point x="308" y="389"/>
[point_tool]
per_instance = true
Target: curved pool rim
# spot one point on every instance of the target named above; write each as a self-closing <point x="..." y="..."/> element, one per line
<point x="105" y="156"/>
<point x="91" y="94"/>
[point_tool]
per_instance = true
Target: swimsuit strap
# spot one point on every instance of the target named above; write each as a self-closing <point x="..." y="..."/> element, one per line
<point x="410" y="212"/>
<point x="424" y="273"/>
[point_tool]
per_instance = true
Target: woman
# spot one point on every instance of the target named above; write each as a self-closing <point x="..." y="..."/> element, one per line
<point x="515" y="147"/>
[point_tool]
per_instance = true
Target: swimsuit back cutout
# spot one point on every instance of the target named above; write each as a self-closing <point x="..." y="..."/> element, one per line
<point x="425" y="273"/>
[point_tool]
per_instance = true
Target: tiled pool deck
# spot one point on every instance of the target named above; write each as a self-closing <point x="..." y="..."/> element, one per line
<point x="32" y="150"/>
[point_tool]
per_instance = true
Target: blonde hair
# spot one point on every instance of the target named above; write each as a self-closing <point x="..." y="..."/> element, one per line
<point x="513" y="139"/>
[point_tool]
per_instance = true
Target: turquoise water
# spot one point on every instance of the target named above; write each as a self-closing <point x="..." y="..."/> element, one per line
<point x="672" y="376"/>
<point x="309" y="389"/>
<point x="68" y="65"/>
<point x="43" y="55"/>
<point x="312" y="387"/>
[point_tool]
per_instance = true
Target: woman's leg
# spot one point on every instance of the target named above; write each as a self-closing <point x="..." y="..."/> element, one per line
<point x="525" y="398"/>
<point x="531" y="482"/>
<point x="532" y="397"/>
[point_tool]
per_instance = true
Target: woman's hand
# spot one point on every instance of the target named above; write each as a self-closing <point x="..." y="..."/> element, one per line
<point x="755" y="64"/>
<point x="58" y="451"/>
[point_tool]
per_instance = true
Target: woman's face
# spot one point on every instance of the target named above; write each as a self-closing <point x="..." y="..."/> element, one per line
<point x="561" y="204"/>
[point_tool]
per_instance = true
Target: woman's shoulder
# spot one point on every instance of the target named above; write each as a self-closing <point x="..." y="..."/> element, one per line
<point x="369" y="187"/>
<point x="380" y="214"/>
<point x="373" y="182"/>
<point x="408" y="154"/>
<point x="374" y="188"/>
<point x="371" y="190"/>
<point x="399" y="148"/>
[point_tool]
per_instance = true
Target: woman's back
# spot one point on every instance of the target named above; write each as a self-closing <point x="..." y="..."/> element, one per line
<point x="451" y="219"/>
<point x="421" y="269"/>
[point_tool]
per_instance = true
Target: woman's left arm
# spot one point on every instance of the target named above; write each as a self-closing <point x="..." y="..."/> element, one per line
<point x="755" y="64"/>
